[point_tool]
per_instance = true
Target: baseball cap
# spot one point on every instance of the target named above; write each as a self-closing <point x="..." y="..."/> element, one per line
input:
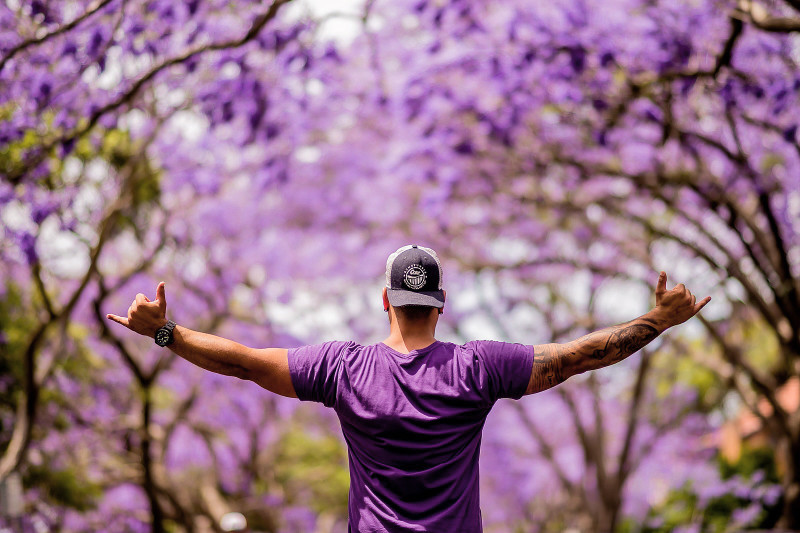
<point x="414" y="277"/>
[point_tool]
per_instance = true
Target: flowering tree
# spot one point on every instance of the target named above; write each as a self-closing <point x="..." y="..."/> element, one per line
<point x="83" y="219"/>
<point x="574" y="146"/>
<point x="258" y="168"/>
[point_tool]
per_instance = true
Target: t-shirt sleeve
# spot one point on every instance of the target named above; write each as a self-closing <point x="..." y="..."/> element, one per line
<point x="315" y="371"/>
<point x="507" y="368"/>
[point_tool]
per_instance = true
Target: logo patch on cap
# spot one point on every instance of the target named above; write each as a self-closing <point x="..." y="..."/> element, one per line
<point x="414" y="277"/>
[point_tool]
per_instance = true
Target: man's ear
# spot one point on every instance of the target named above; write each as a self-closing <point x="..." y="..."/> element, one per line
<point x="385" y="300"/>
<point x="441" y="309"/>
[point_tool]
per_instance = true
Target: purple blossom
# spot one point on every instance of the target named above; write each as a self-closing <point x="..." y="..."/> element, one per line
<point x="42" y="211"/>
<point x="746" y="516"/>
<point x="69" y="49"/>
<point x="38" y="8"/>
<point x="606" y="59"/>
<point x="299" y="519"/>
<point x="577" y="58"/>
<point x="95" y="42"/>
<point x="464" y="148"/>
<point x="687" y="84"/>
<point x="66" y="147"/>
<point x="27" y="243"/>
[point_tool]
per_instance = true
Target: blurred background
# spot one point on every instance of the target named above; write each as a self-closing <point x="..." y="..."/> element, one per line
<point x="264" y="159"/>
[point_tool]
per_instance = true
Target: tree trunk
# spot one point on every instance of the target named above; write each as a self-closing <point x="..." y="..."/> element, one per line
<point x="610" y="502"/>
<point x="147" y="463"/>
<point x="790" y="517"/>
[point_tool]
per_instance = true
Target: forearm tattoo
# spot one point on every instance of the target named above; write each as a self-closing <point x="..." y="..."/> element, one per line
<point x="554" y="363"/>
<point x="547" y="371"/>
<point x="624" y="341"/>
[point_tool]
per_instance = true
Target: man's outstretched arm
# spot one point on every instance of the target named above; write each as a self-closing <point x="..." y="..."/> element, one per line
<point x="267" y="367"/>
<point x="554" y="363"/>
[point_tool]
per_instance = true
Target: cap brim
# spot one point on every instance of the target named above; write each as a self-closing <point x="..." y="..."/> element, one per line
<point x="400" y="297"/>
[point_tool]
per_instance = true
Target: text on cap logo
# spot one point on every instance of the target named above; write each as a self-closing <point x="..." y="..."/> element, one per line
<point x="414" y="277"/>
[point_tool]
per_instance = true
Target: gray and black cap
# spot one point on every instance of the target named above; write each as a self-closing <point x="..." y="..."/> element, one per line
<point x="414" y="277"/>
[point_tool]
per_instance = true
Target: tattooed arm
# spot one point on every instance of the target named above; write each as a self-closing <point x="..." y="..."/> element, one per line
<point x="554" y="363"/>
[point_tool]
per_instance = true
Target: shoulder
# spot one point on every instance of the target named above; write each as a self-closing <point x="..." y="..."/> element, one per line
<point x="506" y="367"/>
<point x="489" y="348"/>
<point x="328" y="353"/>
<point x="325" y="347"/>
<point x="315" y="369"/>
<point x="502" y="356"/>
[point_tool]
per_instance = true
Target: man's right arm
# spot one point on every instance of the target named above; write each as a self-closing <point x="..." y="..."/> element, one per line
<point x="267" y="367"/>
<point x="555" y="363"/>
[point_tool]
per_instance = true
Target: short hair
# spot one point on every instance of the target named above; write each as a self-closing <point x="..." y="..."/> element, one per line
<point x="414" y="313"/>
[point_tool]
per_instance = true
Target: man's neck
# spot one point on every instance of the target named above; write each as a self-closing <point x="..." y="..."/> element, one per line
<point x="407" y="337"/>
<point x="406" y="344"/>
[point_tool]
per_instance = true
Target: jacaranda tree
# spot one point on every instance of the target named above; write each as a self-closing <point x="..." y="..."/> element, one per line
<point x="555" y="155"/>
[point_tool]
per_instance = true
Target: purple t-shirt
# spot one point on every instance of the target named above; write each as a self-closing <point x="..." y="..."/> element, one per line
<point x="413" y="425"/>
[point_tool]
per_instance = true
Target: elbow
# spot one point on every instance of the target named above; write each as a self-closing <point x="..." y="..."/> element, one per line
<point x="236" y="371"/>
<point x="240" y="375"/>
<point x="572" y="366"/>
<point x="568" y="370"/>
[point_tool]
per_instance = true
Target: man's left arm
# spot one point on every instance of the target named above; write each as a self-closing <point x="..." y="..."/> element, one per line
<point x="555" y="363"/>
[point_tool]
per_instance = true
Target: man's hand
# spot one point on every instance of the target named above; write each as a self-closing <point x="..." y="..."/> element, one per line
<point x="555" y="363"/>
<point x="677" y="305"/>
<point x="144" y="316"/>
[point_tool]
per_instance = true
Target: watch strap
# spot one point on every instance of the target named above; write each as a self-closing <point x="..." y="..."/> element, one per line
<point x="168" y="327"/>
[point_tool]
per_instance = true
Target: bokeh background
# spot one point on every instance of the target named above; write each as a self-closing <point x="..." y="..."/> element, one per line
<point x="264" y="159"/>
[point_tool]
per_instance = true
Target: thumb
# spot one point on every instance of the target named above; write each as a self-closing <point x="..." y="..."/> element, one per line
<point x="661" y="287"/>
<point x="161" y="297"/>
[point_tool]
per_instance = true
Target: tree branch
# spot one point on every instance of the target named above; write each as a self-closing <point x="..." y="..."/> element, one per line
<point x="777" y="24"/>
<point x="36" y="273"/>
<point x="547" y="450"/>
<point x="26" y="408"/>
<point x="127" y="96"/>
<point x="765" y="384"/>
<point x="150" y="488"/>
<point x="258" y="24"/>
<point x="589" y="440"/>
<point x="725" y="57"/>
<point x="26" y="418"/>
<point x="634" y="410"/>
<point x="46" y="37"/>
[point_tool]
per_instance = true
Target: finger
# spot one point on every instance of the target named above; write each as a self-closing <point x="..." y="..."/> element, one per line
<point x="161" y="296"/>
<point x="661" y="286"/>
<point x="140" y="298"/>
<point x="702" y="304"/>
<point x="680" y="287"/>
<point x="118" y="319"/>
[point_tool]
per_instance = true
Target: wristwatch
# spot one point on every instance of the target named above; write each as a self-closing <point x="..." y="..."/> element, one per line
<point x="164" y="335"/>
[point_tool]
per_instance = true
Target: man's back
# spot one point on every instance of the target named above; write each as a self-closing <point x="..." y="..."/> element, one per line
<point x="413" y="424"/>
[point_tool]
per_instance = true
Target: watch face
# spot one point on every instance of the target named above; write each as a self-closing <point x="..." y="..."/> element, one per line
<point x="162" y="337"/>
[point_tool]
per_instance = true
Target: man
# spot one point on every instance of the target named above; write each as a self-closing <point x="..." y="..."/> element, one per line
<point x="412" y="408"/>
